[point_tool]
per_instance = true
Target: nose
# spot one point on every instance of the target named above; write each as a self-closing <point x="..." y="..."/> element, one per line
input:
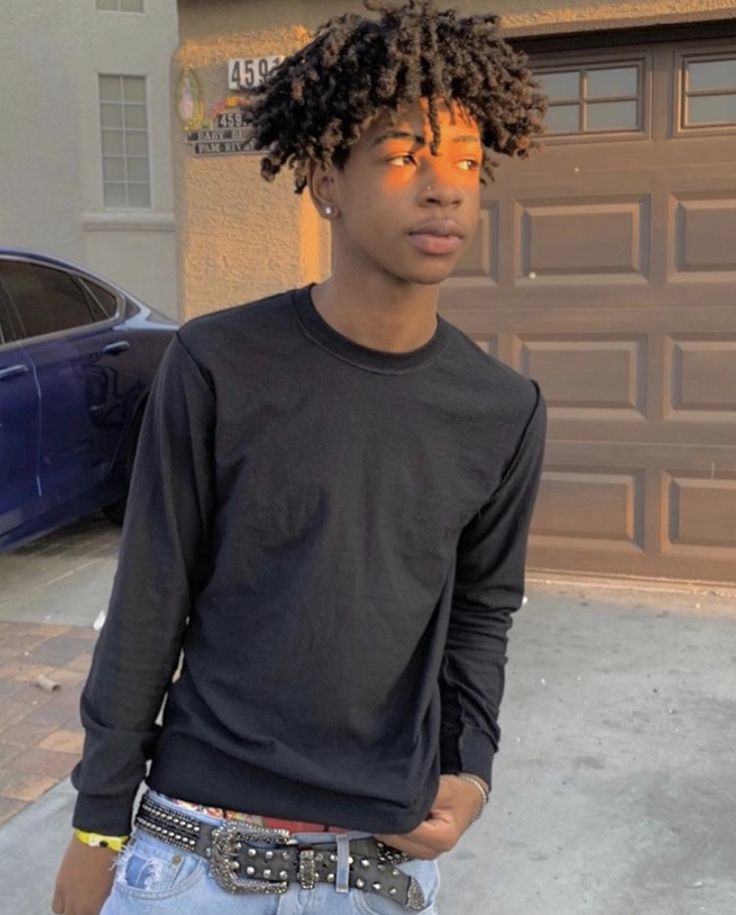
<point x="438" y="187"/>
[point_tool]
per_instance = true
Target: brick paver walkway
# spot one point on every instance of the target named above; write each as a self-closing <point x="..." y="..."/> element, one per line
<point x="40" y="733"/>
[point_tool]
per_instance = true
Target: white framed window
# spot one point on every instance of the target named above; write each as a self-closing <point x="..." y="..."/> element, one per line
<point x="708" y="90"/>
<point x="596" y="98"/>
<point x="120" y="6"/>
<point x="126" y="174"/>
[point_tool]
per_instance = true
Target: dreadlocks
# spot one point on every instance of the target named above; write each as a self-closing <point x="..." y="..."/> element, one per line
<point x="313" y="106"/>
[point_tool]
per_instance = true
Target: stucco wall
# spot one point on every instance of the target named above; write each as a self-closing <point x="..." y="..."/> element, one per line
<point x="51" y="194"/>
<point x="240" y="237"/>
<point x="202" y="19"/>
<point x="39" y="189"/>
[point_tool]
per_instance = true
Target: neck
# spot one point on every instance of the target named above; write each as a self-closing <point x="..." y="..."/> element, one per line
<point x="377" y="310"/>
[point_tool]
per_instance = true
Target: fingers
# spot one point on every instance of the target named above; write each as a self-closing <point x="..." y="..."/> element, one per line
<point x="410" y="846"/>
<point x="449" y="816"/>
<point x="430" y="839"/>
<point x="435" y="836"/>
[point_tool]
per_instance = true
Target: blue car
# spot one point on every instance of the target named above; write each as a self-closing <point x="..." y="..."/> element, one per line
<point x="77" y="358"/>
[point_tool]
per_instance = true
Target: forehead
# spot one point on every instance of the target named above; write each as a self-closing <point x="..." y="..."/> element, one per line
<point x="413" y="118"/>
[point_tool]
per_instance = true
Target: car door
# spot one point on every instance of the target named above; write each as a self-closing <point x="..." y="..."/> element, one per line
<point x="19" y="429"/>
<point x="78" y="350"/>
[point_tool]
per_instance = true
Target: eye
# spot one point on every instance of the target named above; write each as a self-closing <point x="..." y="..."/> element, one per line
<point x="469" y="165"/>
<point x="401" y="160"/>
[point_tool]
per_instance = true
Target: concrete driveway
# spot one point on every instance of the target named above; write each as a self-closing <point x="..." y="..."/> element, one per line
<point x="613" y="793"/>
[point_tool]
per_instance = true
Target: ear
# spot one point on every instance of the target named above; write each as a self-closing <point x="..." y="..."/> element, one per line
<point x="321" y="182"/>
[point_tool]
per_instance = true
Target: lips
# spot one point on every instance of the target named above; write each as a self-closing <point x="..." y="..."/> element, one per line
<point x="437" y="236"/>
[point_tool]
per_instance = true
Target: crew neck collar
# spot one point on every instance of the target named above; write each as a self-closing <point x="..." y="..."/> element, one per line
<point x="364" y="357"/>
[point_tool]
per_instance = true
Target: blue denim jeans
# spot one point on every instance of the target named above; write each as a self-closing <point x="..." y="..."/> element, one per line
<point x="152" y="876"/>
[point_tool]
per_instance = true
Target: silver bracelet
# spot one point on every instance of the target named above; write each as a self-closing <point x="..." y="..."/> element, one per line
<point x="485" y="794"/>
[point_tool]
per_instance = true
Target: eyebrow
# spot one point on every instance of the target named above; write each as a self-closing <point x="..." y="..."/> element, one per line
<point x="420" y="141"/>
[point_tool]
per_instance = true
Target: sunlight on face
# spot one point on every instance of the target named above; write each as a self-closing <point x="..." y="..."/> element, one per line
<point x="392" y="185"/>
<point x="399" y="147"/>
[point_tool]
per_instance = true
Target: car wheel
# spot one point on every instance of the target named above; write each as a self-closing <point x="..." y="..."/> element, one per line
<point x="116" y="510"/>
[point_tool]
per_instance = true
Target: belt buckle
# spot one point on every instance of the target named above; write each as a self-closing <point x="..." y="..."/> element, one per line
<point x="228" y="841"/>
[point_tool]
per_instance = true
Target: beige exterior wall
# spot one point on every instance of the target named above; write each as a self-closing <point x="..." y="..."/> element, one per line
<point x="240" y="237"/>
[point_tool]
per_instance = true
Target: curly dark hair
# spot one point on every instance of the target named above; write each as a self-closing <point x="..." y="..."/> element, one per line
<point x="313" y="105"/>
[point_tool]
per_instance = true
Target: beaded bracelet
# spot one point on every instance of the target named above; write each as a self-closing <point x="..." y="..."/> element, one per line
<point x="485" y="794"/>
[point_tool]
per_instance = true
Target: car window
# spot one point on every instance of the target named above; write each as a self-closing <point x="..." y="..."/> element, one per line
<point x="5" y="333"/>
<point x="104" y="302"/>
<point x="46" y="300"/>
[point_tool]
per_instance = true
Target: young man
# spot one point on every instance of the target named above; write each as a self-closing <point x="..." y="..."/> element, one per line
<point x="328" y="516"/>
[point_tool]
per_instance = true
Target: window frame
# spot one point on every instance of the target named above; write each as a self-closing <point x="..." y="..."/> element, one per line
<point x="587" y="60"/>
<point x="8" y="331"/>
<point x="139" y="12"/>
<point x="77" y="278"/>
<point x="88" y="286"/>
<point x="694" y="52"/>
<point x="125" y="132"/>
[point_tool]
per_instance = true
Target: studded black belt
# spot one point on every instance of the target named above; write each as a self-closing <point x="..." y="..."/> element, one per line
<point x="240" y="864"/>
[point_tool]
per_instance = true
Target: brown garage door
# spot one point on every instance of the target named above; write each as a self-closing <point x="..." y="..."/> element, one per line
<point x="606" y="268"/>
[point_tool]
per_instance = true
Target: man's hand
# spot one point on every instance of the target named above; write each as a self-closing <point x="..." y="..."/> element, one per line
<point x="453" y="810"/>
<point x="84" y="880"/>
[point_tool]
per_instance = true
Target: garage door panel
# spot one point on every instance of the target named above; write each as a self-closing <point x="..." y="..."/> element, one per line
<point x="480" y="260"/>
<point x="694" y="564"/>
<point x="700" y="511"/>
<point x="489" y="344"/>
<point x="603" y="374"/>
<point x="604" y="507"/>
<point x="702" y="379"/>
<point x="565" y="241"/>
<point x="613" y="508"/>
<point x="585" y="503"/>
<point x="704" y="236"/>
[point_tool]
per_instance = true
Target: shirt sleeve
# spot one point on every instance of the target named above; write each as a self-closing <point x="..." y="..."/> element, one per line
<point x="162" y="559"/>
<point x="488" y="588"/>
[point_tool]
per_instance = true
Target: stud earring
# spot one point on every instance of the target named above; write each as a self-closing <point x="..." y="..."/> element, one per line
<point x="328" y="210"/>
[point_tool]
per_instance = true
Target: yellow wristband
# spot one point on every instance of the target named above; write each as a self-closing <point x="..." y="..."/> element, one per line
<point x="94" y="839"/>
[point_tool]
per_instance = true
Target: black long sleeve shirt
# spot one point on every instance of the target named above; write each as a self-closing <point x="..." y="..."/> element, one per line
<point x="335" y="537"/>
